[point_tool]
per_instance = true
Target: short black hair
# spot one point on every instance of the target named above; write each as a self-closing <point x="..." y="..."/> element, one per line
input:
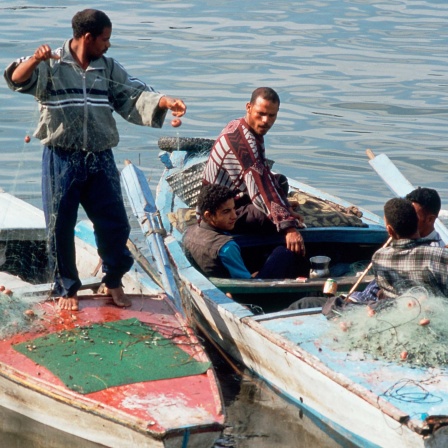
<point x="212" y="196"/>
<point x="401" y="215"/>
<point x="428" y="198"/>
<point x="90" y="21"/>
<point x="266" y="93"/>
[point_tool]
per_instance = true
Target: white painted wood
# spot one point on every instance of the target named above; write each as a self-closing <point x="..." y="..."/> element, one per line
<point x="298" y="377"/>
<point x="84" y="417"/>
<point x="143" y="206"/>
<point x="20" y="220"/>
<point x="87" y="422"/>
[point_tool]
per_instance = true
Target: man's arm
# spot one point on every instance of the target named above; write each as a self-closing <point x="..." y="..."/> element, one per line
<point x="230" y="256"/>
<point x="25" y="69"/>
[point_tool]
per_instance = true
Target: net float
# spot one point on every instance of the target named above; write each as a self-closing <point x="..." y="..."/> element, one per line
<point x="27" y="139"/>
<point x="404" y="354"/>
<point x="424" y="321"/>
<point x="176" y="122"/>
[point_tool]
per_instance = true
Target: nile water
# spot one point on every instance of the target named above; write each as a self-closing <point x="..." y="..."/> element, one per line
<point x="351" y="75"/>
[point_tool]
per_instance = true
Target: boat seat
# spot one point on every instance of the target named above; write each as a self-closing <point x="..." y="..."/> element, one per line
<point x="259" y="286"/>
<point x="47" y="288"/>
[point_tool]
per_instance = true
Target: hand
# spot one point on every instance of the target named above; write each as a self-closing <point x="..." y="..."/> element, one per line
<point x="25" y="69"/>
<point x="294" y="241"/>
<point x="176" y="106"/>
<point x="43" y="53"/>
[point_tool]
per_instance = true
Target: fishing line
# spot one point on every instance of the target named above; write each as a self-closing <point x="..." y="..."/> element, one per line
<point x="400" y="391"/>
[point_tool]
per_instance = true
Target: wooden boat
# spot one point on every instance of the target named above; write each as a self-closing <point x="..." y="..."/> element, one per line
<point x="116" y="377"/>
<point x="290" y="350"/>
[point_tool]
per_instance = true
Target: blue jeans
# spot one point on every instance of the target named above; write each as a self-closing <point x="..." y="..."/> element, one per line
<point x="90" y="179"/>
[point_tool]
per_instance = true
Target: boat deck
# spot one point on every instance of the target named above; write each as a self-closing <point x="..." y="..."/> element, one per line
<point x="417" y="392"/>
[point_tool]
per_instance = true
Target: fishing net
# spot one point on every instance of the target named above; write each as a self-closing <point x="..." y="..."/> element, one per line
<point x="17" y="314"/>
<point x="410" y="329"/>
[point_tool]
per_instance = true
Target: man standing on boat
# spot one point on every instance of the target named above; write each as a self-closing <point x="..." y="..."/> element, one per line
<point x="237" y="161"/>
<point x="212" y="248"/>
<point x="78" y="88"/>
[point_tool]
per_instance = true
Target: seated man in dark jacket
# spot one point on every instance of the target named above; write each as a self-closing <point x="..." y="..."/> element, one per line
<point x="212" y="248"/>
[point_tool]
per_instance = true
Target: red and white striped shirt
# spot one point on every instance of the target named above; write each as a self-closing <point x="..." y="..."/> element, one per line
<point x="237" y="160"/>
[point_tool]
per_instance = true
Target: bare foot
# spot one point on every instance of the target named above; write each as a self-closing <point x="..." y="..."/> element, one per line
<point x="119" y="297"/>
<point x="68" y="303"/>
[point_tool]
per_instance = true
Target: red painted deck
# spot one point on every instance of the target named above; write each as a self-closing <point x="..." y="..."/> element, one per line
<point x="152" y="406"/>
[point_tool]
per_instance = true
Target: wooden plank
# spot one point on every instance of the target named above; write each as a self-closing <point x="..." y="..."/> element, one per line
<point x="258" y="286"/>
<point x="286" y="314"/>
<point x="47" y="288"/>
<point x="144" y="208"/>
<point x="144" y="263"/>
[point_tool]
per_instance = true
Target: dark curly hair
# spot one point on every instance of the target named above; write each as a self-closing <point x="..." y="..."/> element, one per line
<point x="401" y="215"/>
<point x="90" y="21"/>
<point x="211" y="197"/>
<point x="428" y="198"/>
<point x="266" y="93"/>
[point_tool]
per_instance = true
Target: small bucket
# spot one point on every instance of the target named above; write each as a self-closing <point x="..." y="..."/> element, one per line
<point x="320" y="266"/>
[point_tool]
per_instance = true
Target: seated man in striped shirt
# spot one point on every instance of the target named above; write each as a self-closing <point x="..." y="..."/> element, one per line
<point x="237" y="161"/>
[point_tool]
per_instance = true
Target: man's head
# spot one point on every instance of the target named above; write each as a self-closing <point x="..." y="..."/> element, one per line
<point x="427" y="204"/>
<point x="401" y="219"/>
<point x="216" y="205"/>
<point x="262" y="110"/>
<point x="95" y="28"/>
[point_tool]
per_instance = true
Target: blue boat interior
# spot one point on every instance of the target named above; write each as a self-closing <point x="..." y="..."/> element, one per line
<point x="348" y="235"/>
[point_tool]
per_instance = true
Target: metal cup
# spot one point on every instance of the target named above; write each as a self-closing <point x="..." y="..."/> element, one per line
<point x="319" y="266"/>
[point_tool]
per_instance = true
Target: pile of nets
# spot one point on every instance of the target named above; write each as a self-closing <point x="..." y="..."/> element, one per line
<point x="16" y="314"/>
<point x="411" y="329"/>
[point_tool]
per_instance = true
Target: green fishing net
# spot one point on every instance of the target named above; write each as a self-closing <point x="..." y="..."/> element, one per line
<point x="411" y="329"/>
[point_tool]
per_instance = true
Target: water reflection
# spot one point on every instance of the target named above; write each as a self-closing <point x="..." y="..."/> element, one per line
<point x="259" y="418"/>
